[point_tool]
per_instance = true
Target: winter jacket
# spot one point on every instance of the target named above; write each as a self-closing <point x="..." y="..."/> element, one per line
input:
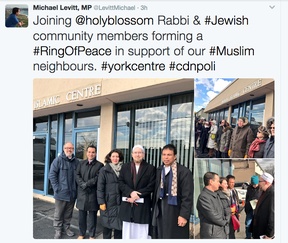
<point x="108" y="193"/>
<point x="210" y="143"/>
<point x="260" y="153"/>
<point x="204" y="137"/>
<point x="62" y="177"/>
<point x="225" y="139"/>
<point x="87" y="177"/>
<point x="145" y="184"/>
<point x="211" y="214"/>
<point x="241" y="139"/>
<point x="252" y="193"/>
<point x="218" y="136"/>
<point x="269" y="148"/>
<point x="227" y="210"/>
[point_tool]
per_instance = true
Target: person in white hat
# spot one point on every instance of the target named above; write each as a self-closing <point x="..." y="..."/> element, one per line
<point x="137" y="182"/>
<point x="262" y="226"/>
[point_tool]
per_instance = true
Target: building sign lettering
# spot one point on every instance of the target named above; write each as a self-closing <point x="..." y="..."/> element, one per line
<point x="70" y="96"/>
<point x="245" y="90"/>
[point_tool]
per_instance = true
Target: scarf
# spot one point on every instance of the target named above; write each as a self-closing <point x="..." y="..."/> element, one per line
<point x="255" y="147"/>
<point x="133" y="170"/>
<point x="116" y="168"/>
<point x="226" y="193"/>
<point x="235" y="199"/>
<point x="172" y="187"/>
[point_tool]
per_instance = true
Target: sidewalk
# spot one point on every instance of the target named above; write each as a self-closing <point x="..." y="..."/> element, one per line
<point x="43" y="214"/>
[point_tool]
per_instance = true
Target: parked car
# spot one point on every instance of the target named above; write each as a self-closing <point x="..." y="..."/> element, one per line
<point x="245" y="185"/>
<point x="241" y="194"/>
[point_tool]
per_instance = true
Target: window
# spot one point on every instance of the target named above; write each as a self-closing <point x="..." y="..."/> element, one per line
<point x="153" y="124"/>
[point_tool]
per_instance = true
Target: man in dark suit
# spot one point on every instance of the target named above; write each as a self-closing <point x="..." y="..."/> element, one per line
<point x="173" y="197"/>
<point x="86" y="177"/>
<point x="263" y="220"/>
<point x="136" y="181"/>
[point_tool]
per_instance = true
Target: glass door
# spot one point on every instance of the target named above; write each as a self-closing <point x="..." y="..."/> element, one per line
<point x="83" y="139"/>
<point x="39" y="158"/>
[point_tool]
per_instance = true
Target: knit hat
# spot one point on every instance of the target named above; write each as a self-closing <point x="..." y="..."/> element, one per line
<point x="138" y="146"/>
<point x="267" y="177"/>
<point x="254" y="180"/>
<point x="264" y="131"/>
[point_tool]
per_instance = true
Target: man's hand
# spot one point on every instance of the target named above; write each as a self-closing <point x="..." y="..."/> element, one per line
<point x="267" y="238"/>
<point x="103" y="207"/>
<point x="130" y="200"/>
<point x="134" y="195"/>
<point x="182" y="221"/>
<point x="239" y="215"/>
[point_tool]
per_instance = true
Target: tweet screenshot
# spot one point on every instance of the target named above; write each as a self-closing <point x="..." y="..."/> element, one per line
<point x="144" y="119"/>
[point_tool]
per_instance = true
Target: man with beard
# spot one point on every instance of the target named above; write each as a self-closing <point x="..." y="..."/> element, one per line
<point x="263" y="221"/>
<point x="173" y="197"/>
<point x="137" y="182"/>
<point x="62" y="177"/>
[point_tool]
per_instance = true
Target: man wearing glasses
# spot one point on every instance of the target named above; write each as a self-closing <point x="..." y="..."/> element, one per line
<point x="269" y="146"/>
<point x="262" y="226"/>
<point x="137" y="182"/>
<point x="62" y="177"/>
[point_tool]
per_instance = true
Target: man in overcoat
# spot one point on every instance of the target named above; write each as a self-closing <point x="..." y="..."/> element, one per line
<point x="62" y="177"/>
<point x="86" y="176"/>
<point x="137" y="182"/>
<point x="173" y="197"/>
<point x="262" y="225"/>
<point x="211" y="212"/>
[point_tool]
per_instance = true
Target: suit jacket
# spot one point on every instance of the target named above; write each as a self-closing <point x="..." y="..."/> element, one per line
<point x="263" y="220"/>
<point x="144" y="184"/>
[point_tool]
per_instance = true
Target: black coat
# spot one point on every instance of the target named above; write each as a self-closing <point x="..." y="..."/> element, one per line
<point x="170" y="213"/>
<point x="269" y="148"/>
<point x="227" y="211"/>
<point x="264" y="216"/>
<point x="62" y="177"/>
<point x="86" y="177"/>
<point x="252" y="193"/>
<point x="144" y="184"/>
<point x="211" y="214"/>
<point x="108" y="193"/>
<point x="218" y="137"/>
<point x="204" y="138"/>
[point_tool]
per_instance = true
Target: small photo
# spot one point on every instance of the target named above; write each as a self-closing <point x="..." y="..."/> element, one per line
<point x="16" y="15"/>
<point x="234" y="118"/>
<point x="234" y="198"/>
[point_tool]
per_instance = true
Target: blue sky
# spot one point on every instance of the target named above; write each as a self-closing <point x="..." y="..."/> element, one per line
<point x="207" y="88"/>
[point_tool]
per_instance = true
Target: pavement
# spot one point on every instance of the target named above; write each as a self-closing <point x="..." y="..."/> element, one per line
<point x="43" y="214"/>
<point x="241" y="234"/>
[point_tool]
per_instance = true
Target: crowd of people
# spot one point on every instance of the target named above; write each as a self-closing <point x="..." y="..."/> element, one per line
<point x="219" y="209"/>
<point x="136" y="200"/>
<point x="226" y="142"/>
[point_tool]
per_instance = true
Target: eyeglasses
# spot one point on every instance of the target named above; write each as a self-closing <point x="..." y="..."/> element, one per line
<point x="261" y="181"/>
<point x="272" y="128"/>
<point x="69" y="148"/>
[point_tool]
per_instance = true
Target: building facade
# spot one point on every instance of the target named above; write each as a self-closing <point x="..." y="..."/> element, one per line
<point x="110" y="113"/>
<point x="251" y="98"/>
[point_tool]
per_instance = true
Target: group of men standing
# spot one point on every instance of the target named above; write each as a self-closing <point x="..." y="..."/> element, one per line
<point x="154" y="203"/>
<point x="214" y="224"/>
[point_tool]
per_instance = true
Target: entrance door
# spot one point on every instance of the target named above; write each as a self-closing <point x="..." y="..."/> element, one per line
<point x="84" y="138"/>
<point x="39" y="158"/>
